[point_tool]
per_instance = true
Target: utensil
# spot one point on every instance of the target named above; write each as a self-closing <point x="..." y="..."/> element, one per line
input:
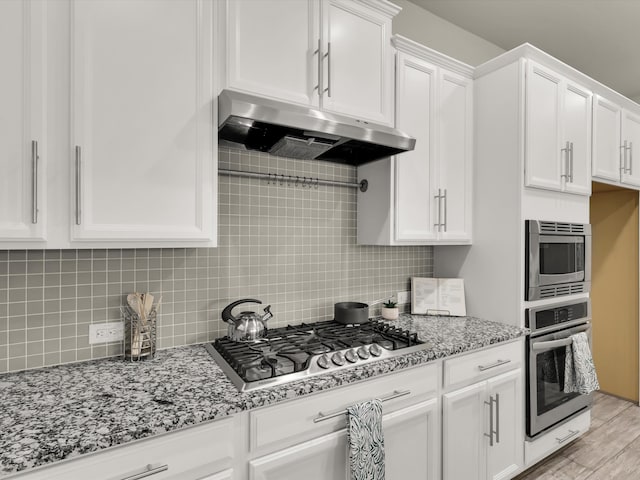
<point x="351" y="312"/>
<point x="247" y="326"/>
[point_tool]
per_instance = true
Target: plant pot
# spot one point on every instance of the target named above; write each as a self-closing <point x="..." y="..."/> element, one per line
<point x="390" y="313"/>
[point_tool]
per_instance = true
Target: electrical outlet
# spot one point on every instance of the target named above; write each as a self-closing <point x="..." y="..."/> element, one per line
<point x="403" y="298"/>
<point x="106" y="332"/>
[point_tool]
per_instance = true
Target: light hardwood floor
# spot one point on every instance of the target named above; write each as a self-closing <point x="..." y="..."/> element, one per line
<point x="609" y="450"/>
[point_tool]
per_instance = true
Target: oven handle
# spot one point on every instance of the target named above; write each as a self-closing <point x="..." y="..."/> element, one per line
<point x="562" y="342"/>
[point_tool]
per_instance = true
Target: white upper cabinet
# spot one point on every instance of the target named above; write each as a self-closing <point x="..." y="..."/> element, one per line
<point x="616" y="133"/>
<point x="274" y="48"/>
<point x="558" y="132"/>
<point x="143" y="140"/>
<point x="333" y="54"/>
<point x="455" y="138"/>
<point x="23" y="211"/>
<point x="423" y="196"/>
<point x="357" y="60"/>
<point x="415" y="172"/>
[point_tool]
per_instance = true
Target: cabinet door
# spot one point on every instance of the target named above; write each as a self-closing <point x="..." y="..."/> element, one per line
<point x="415" y="176"/>
<point x="412" y="441"/>
<point x="358" y="61"/>
<point x="464" y="423"/>
<point x="543" y="166"/>
<point x="144" y="160"/>
<point x="22" y="174"/>
<point x="631" y="134"/>
<point x="273" y="48"/>
<point x="606" y="139"/>
<point x="319" y="459"/>
<point x="454" y="152"/>
<point x="506" y="454"/>
<point x="576" y="132"/>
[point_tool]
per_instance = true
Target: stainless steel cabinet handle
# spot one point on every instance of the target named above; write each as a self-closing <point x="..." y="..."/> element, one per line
<point x="491" y="417"/>
<point x="444" y="197"/>
<point x="571" y="162"/>
<point x="630" y="158"/>
<point x="326" y="416"/>
<point x="623" y="153"/>
<point x="572" y="433"/>
<point x="566" y="161"/>
<point x="482" y="368"/>
<point x="497" y="418"/>
<point x="437" y="198"/>
<point x="78" y="184"/>
<point x="328" y="55"/>
<point x="149" y="470"/>
<point x="34" y="181"/>
<point x="317" y="52"/>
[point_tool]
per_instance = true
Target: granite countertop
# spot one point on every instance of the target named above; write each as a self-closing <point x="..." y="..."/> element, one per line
<point x="59" y="412"/>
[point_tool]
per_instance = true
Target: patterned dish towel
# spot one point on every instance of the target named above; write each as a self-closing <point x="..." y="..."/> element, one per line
<point x="579" y="371"/>
<point x="366" y="444"/>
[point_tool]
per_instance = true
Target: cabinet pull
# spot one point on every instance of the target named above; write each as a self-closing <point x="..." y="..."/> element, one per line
<point x="317" y="52"/>
<point x="34" y="181"/>
<point x="78" y="183"/>
<point x="149" y="470"/>
<point x="497" y="363"/>
<point x="491" y="430"/>
<point x="630" y="158"/>
<point x="444" y="197"/>
<point x="572" y="433"/>
<point x="497" y="418"/>
<point x="571" y="162"/>
<point x="566" y="175"/>
<point x="328" y="55"/>
<point x="623" y="153"/>
<point x="326" y="416"/>
<point x="438" y="197"/>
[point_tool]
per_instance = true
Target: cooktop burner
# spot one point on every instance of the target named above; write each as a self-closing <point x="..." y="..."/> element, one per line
<point x="297" y="351"/>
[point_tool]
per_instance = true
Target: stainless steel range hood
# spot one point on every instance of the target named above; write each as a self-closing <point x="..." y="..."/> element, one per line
<point x="296" y="131"/>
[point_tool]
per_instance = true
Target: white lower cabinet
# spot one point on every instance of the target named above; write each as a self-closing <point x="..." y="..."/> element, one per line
<point x="411" y="438"/>
<point x="483" y="424"/>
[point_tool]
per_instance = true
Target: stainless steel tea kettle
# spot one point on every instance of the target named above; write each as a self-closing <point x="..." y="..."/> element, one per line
<point x="247" y="326"/>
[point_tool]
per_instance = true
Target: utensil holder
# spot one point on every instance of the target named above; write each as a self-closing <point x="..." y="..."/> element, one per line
<point x="139" y="335"/>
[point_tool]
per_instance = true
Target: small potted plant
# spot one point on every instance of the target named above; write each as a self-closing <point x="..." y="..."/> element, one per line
<point x="390" y="310"/>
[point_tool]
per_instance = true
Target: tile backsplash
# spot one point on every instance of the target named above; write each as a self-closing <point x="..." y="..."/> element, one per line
<point x="290" y="245"/>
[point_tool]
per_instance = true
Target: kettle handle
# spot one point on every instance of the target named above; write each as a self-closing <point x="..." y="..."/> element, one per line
<point x="226" y="313"/>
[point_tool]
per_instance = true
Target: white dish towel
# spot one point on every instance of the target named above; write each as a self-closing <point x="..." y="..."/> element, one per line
<point x="366" y="443"/>
<point x="579" y="370"/>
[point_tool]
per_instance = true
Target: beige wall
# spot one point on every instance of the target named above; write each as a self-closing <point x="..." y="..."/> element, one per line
<point x="428" y="29"/>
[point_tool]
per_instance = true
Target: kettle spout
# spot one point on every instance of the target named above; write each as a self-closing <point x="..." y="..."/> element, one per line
<point x="267" y="314"/>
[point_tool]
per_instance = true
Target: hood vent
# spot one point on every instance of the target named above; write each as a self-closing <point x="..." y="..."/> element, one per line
<point x="295" y="131"/>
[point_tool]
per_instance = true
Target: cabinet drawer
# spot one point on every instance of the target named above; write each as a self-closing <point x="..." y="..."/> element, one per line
<point x="551" y="441"/>
<point x="292" y="422"/>
<point x="483" y="364"/>
<point x="188" y="454"/>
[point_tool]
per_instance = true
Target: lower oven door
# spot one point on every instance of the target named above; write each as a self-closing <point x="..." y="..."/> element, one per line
<point x="547" y="403"/>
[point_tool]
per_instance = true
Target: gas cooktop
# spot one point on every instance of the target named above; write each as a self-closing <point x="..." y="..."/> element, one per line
<point x="298" y="351"/>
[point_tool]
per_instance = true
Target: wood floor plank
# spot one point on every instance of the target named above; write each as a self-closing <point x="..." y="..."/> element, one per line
<point x="623" y="466"/>
<point x="603" y="443"/>
<point x="557" y="468"/>
<point x="605" y="407"/>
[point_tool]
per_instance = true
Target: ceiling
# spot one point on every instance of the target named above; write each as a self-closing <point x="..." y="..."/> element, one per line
<point x="597" y="37"/>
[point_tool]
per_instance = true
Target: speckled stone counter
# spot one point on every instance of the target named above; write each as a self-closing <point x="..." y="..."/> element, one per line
<point x="59" y="412"/>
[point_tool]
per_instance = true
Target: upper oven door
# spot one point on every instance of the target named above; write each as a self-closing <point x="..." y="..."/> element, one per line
<point x="548" y="403"/>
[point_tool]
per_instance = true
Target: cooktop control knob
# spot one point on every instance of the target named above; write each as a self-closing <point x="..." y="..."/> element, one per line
<point x="375" y="350"/>
<point x="363" y="353"/>
<point x="351" y="356"/>
<point x="323" y="361"/>
<point x="338" y="358"/>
